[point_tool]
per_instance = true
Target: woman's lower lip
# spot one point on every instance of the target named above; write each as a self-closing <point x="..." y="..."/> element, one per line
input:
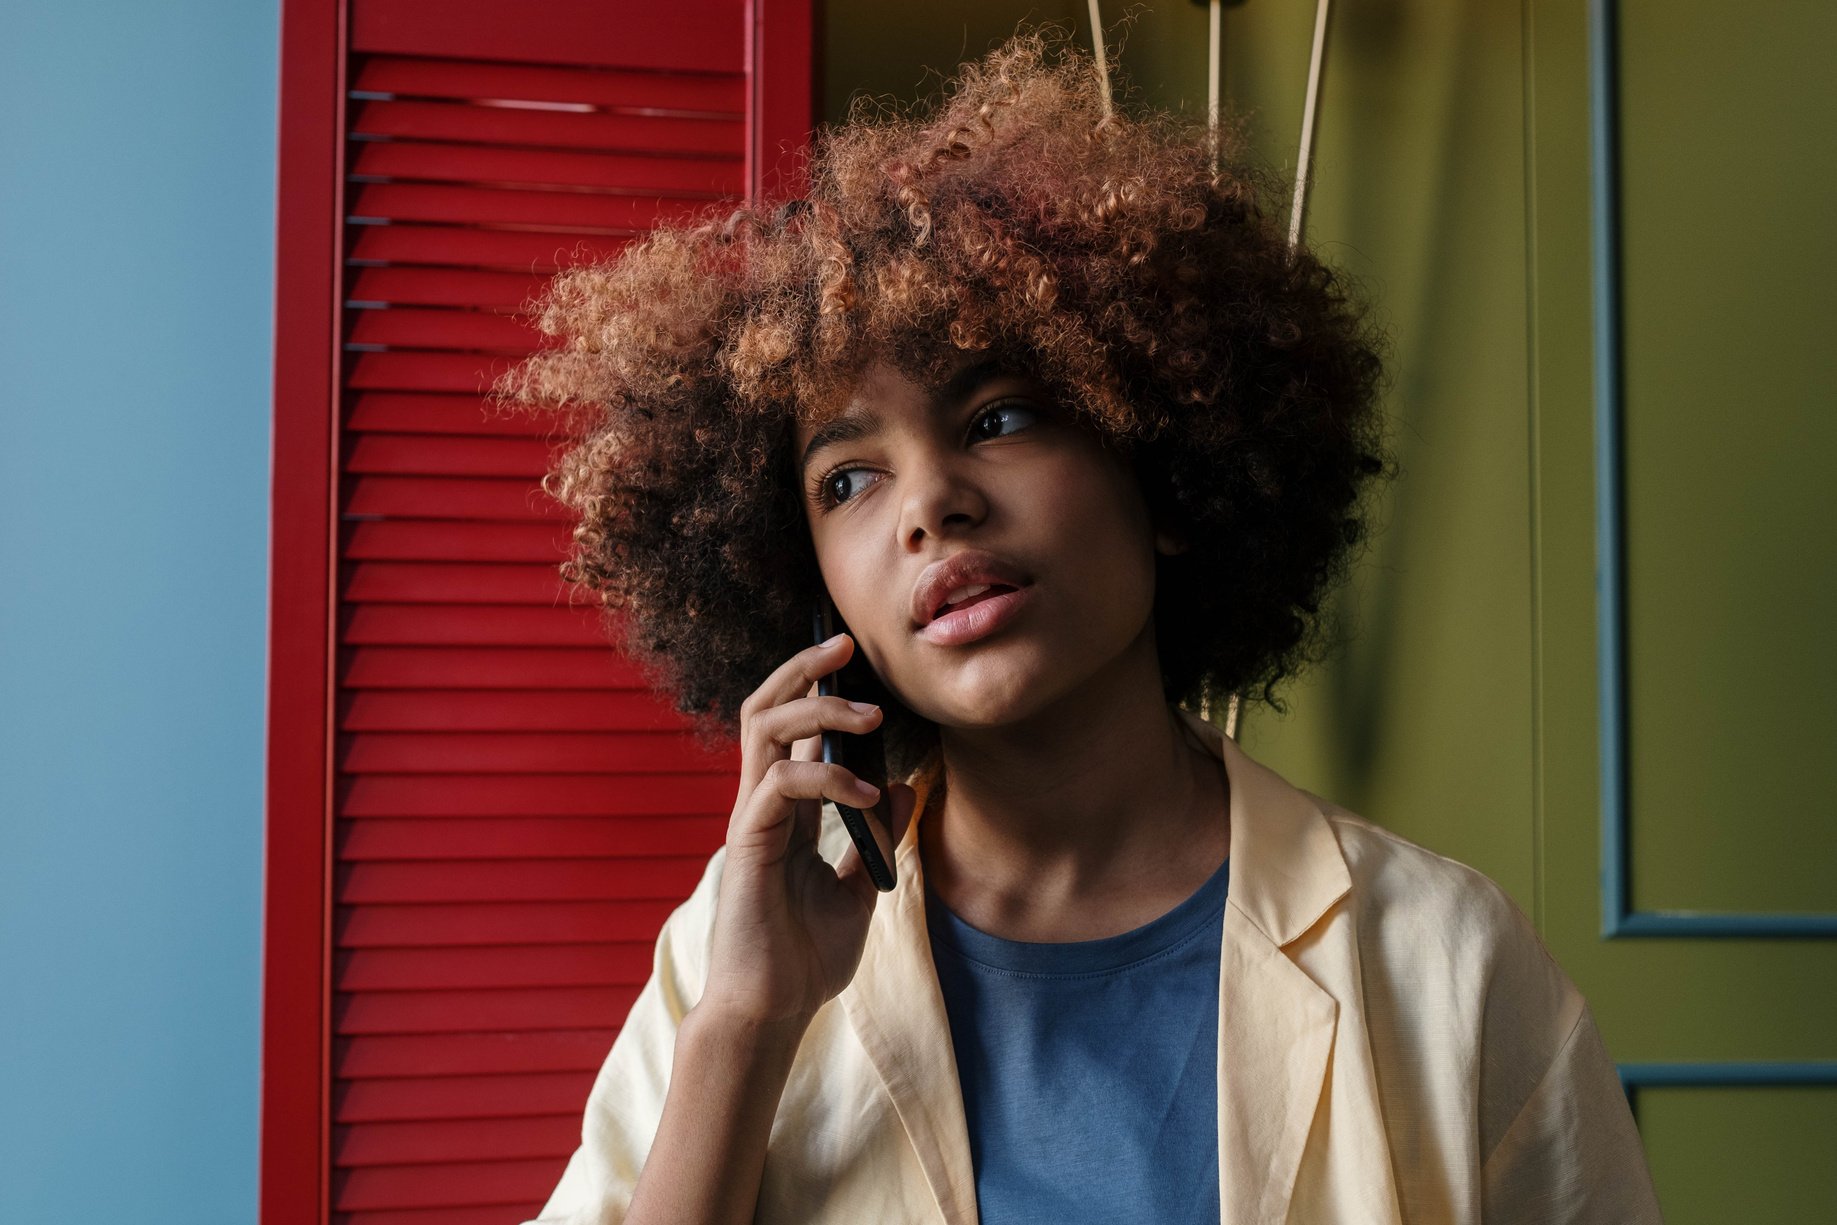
<point x="979" y="620"/>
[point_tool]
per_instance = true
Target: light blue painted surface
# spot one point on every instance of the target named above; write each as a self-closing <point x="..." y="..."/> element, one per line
<point x="136" y="286"/>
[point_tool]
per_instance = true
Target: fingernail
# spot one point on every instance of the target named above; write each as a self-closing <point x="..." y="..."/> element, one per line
<point x="863" y="707"/>
<point x="831" y="641"/>
<point x="866" y="788"/>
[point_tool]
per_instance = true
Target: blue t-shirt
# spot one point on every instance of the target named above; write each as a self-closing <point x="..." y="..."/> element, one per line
<point x="1089" y="1068"/>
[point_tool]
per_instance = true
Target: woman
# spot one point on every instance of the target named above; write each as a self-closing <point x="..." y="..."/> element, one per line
<point x="1074" y="441"/>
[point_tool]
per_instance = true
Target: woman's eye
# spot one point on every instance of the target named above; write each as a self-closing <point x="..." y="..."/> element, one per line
<point x="826" y="487"/>
<point x="1005" y="408"/>
<point x="827" y="484"/>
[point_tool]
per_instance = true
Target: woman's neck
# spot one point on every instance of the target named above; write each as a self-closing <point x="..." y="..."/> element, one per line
<point x="1093" y="816"/>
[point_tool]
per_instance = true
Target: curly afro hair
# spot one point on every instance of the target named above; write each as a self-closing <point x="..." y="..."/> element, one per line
<point x="1143" y="278"/>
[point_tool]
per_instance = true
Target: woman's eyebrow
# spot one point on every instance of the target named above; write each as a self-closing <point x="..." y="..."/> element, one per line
<point x="854" y="426"/>
<point x="849" y="427"/>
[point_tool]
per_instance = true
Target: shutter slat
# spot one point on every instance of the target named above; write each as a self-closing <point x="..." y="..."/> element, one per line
<point x="420" y="370"/>
<point x="527" y="710"/>
<point x="460" y="1012"/>
<point x="411" y="1149"/>
<point x="704" y="176"/>
<point x="585" y="212"/>
<point x="511" y="923"/>
<point x="472" y="1214"/>
<point x="488" y="969"/>
<point x="507" y="125"/>
<point x="457" y="246"/>
<point x="396" y="412"/>
<point x="487" y="668"/>
<point x="523" y="880"/>
<point x="473" y="625"/>
<point x="448" y="540"/>
<point x="511" y="752"/>
<point x="435" y="582"/>
<point x="408" y="1099"/>
<point x="442" y="498"/>
<point x="448" y="838"/>
<point x="684" y="35"/>
<point x="561" y="795"/>
<point x="420" y="455"/>
<point x="407" y="327"/>
<point x="470" y="80"/>
<point x="502" y="292"/>
<point x="464" y="1179"/>
<point x="491" y="1054"/>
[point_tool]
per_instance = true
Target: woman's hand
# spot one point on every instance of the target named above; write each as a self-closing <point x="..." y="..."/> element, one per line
<point x="789" y="928"/>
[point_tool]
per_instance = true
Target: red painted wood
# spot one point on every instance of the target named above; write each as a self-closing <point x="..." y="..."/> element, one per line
<point x="295" y="1122"/>
<point x="487" y="625"/>
<point x="476" y="1214"/>
<point x="421" y="456"/>
<point x="555" y="129"/>
<point x="556" y="794"/>
<point x="416" y="540"/>
<point x="464" y="247"/>
<point x="513" y="752"/>
<point x="703" y="177"/>
<point x="419" y="370"/>
<point x="445" y="498"/>
<point x="431" y="1142"/>
<point x="407" y="1099"/>
<point x="583" y="212"/>
<point x="407" y="327"/>
<point x="483" y="668"/>
<point x="465" y="80"/>
<point x="683" y="35"/>
<point x="530" y="837"/>
<point x="407" y="412"/>
<point x="458" y="925"/>
<point x="402" y="285"/>
<point x="467" y="877"/>
<point x="469" y="1012"/>
<point x="490" y="1054"/>
<point x="606" y="964"/>
<point x="433" y="582"/>
<point x="524" y="880"/>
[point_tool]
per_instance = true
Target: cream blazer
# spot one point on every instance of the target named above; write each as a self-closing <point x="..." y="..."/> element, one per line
<point x="1395" y="1045"/>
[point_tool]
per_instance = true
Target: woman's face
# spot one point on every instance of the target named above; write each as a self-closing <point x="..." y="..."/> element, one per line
<point x="987" y="461"/>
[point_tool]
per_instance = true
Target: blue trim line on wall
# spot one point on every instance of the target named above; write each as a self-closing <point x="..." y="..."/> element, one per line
<point x="1619" y="919"/>
<point x="1768" y="1075"/>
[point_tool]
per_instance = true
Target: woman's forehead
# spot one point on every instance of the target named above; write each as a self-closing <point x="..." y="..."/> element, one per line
<point x="893" y="387"/>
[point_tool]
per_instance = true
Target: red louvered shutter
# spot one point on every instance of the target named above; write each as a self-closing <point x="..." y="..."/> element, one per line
<point x="477" y="817"/>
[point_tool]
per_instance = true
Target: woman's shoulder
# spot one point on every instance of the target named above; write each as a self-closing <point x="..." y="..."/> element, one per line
<point x="1399" y="881"/>
<point x="1431" y="918"/>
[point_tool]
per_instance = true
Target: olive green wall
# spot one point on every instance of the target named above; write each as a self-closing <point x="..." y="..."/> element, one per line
<point x="1464" y="707"/>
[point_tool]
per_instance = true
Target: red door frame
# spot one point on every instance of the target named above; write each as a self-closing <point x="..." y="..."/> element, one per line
<point x="302" y="656"/>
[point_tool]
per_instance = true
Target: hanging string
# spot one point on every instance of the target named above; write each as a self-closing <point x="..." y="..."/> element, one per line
<point x="1307" y="121"/>
<point x="1316" y="58"/>
<point x="1213" y="39"/>
<point x="1103" y="63"/>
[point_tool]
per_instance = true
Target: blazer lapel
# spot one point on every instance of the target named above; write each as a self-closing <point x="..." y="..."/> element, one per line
<point x="1280" y="1029"/>
<point x="897" y="1009"/>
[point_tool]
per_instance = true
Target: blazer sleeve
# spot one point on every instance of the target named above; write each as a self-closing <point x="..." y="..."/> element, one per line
<point x="626" y="1101"/>
<point x="1572" y="1154"/>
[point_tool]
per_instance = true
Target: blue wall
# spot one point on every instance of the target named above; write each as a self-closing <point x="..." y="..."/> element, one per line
<point x="137" y="150"/>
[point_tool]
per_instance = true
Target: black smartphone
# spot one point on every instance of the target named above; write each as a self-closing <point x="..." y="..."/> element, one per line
<point x="862" y="754"/>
